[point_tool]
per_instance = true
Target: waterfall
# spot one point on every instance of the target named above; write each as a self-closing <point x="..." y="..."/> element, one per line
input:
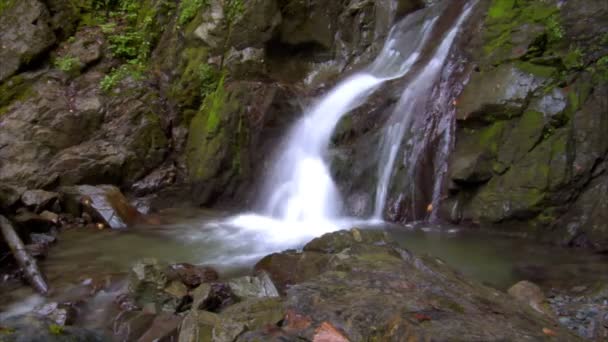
<point x="300" y="199"/>
<point x="300" y="187"/>
<point x="411" y="102"/>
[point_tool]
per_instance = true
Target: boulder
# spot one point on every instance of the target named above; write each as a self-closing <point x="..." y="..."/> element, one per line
<point x="25" y="33"/>
<point x="370" y="289"/>
<point x="530" y="294"/>
<point x="39" y="200"/>
<point x="104" y="203"/>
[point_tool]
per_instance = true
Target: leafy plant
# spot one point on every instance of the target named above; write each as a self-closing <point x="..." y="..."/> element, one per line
<point x="188" y="9"/>
<point x="66" y="63"/>
<point x="112" y="79"/>
<point x="56" y="329"/>
<point x="555" y="31"/>
<point x="209" y="77"/>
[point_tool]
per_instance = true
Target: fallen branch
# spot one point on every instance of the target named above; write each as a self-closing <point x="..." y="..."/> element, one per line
<point x="25" y="261"/>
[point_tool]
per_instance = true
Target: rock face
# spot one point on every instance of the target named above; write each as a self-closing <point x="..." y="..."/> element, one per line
<point x="25" y="34"/>
<point x="369" y="289"/>
<point x="530" y="152"/>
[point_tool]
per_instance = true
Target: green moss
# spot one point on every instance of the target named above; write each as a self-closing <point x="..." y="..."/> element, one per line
<point x="501" y="9"/>
<point x="16" y="88"/>
<point x="508" y="16"/>
<point x="214" y="107"/>
<point x="490" y="136"/>
<point x="6" y="4"/>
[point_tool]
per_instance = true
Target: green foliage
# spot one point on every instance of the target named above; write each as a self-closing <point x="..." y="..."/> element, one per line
<point x="112" y="79"/>
<point x="209" y="77"/>
<point x="189" y="8"/>
<point x="233" y="10"/>
<point x="129" y="45"/>
<point x="56" y="329"/>
<point x="555" y="31"/>
<point x="66" y="63"/>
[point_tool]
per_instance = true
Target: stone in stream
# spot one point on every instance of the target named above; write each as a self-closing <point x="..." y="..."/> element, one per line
<point x="530" y="294"/>
<point x="368" y="288"/>
<point x="105" y="203"/>
<point x="192" y="275"/>
<point x="60" y="313"/>
<point x="259" y="286"/>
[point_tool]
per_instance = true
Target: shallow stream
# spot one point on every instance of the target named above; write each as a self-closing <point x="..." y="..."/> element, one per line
<point x="198" y="237"/>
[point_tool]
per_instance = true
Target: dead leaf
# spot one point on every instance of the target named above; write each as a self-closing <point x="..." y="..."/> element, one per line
<point x="328" y="333"/>
<point x="429" y="208"/>
<point x="549" y="332"/>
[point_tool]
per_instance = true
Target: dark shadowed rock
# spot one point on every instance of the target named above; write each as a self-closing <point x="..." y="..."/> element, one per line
<point x="39" y="200"/>
<point x="105" y="203"/>
<point x="25" y="33"/>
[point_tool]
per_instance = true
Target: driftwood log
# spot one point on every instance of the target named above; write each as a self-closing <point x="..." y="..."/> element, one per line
<point x="24" y="260"/>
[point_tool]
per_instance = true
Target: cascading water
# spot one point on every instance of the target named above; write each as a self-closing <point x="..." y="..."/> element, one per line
<point x="412" y="102"/>
<point x="300" y="197"/>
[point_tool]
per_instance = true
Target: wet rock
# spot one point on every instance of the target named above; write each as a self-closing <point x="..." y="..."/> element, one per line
<point x="529" y="293"/>
<point x="197" y="326"/>
<point x="61" y="314"/>
<point x="249" y="315"/>
<point x="39" y="200"/>
<point x="129" y="326"/>
<point x="25" y="33"/>
<point x="504" y="99"/>
<point x="164" y="327"/>
<point x="155" y="181"/>
<point x="212" y="297"/>
<point x="259" y="286"/>
<point x="288" y="268"/>
<point x="105" y="203"/>
<point x="192" y="275"/>
<point x="368" y="283"/>
<point x="176" y="289"/>
<point x="147" y="281"/>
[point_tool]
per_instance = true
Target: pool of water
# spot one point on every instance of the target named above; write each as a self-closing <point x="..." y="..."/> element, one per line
<point x="203" y="237"/>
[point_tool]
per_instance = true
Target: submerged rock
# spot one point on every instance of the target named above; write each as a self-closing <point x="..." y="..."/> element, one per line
<point x="34" y="328"/>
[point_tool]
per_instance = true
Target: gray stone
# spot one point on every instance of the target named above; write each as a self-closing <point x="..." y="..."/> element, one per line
<point x="25" y="33"/>
<point x="259" y="286"/>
